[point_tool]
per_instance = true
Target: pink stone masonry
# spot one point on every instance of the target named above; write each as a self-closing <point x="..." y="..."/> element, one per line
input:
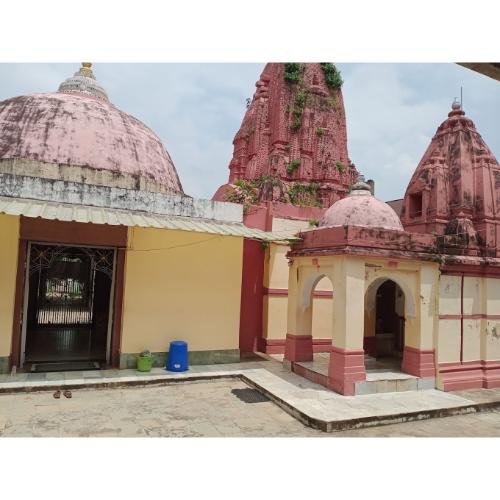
<point x="298" y="347"/>
<point x="345" y="369"/>
<point x="275" y="135"/>
<point x="455" y="188"/>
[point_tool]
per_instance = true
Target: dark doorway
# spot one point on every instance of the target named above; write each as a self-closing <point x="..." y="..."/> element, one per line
<point x="389" y="323"/>
<point x="68" y="310"/>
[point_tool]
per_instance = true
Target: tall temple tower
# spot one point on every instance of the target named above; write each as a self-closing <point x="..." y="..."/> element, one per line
<point x="292" y="143"/>
<point x="454" y="191"/>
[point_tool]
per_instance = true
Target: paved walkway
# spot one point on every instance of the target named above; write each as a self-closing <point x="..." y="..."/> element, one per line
<point x="310" y="403"/>
<point x="193" y="409"/>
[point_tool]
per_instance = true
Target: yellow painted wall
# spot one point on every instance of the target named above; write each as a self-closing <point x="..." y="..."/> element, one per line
<point x="276" y="277"/>
<point x="428" y="294"/>
<point x="449" y="294"/>
<point x="275" y="311"/>
<point x="473" y="304"/>
<point x="473" y="295"/>
<point x="491" y="349"/>
<point x="322" y="317"/>
<point x="448" y="345"/>
<point x="275" y="317"/>
<point x="490" y="346"/>
<point x="9" y="230"/>
<point x="472" y="339"/>
<point x="480" y="341"/>
<point x="181" y="285"/>
<point x="277" y="267"/>
<point x="492" y="295"/>
<point x="348" y="323"/>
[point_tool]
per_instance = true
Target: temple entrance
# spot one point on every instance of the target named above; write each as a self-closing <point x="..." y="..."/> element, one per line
<point x="388" y="326"/>
<point x="68" y="298"/>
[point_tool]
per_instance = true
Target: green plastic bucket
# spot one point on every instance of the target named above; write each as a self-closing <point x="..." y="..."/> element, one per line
<point x="144" y="363"/>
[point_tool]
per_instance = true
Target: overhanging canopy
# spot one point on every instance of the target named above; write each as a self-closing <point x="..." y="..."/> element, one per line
<point x="130" y="218"/>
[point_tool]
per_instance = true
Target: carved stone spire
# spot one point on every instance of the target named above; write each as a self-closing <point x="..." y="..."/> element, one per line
<point x="294" y="132"/>
<point x="456" y="186"/>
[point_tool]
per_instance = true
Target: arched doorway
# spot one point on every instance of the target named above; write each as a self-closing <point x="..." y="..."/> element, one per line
<point x="322" y="318"/>
<point x="389" y="320"/>
<point x="385" y="322"/>
<point x="309" y="313"/>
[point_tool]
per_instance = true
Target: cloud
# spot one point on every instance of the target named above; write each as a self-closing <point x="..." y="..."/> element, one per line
<point x="392" y="111"/>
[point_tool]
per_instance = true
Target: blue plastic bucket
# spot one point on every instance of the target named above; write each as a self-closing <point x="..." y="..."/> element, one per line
<point x="177" y="359"/>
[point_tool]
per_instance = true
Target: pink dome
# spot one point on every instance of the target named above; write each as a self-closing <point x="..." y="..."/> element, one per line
<point x="360" y="208"/>
<point x="86" y="130"/>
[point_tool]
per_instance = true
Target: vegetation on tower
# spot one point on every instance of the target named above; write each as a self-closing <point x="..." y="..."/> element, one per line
<point x="293" y="72"/>
<point x="332" y="75"/>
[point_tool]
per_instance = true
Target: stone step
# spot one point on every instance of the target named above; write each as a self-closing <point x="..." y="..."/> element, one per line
<point x="380" y="382"/>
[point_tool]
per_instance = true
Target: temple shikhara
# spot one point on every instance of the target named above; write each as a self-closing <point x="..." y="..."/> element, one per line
<point x="104" y="255"/>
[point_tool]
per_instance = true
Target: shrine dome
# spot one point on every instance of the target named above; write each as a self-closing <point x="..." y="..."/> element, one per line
<point x="361" y="208"/>
<point x="76" y="134"/>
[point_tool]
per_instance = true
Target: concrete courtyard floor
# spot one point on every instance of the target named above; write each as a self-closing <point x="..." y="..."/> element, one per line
<point x="192" y="409"/>
<point x="135" y="403"/>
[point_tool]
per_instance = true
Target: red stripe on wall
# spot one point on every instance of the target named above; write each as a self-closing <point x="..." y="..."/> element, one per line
<point x="469" y="316"/>
<point x="276" y="292"/>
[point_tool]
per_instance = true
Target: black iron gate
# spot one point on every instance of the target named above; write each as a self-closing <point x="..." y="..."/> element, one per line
<point x="68" y="303"/>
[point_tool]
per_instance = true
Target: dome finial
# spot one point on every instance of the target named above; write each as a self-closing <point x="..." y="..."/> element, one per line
<point x="84" y="81"/>
<point x="456" y="108"/>
<point x="86" y="70"/>
<point x="360" y="187"/>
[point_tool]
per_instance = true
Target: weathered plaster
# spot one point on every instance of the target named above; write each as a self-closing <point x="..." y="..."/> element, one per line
<point x="18" y="186"/>
<point x="78" y="129"/>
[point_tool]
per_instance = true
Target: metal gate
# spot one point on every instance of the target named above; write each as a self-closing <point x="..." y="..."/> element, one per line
<point x="69" y="291"/>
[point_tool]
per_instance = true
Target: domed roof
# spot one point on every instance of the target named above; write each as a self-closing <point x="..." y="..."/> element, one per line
<point x="78" y="126"/>
<point x="361" y="208"/>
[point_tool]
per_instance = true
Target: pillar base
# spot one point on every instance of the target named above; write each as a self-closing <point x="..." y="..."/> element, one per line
<point x="491" y="370"/>
<point x="469" y="375"/>
<point x="346" y="368"/>
<point x="298" y="347"/>
<point x="461" y="376"/>
<point x="418" y="362"/>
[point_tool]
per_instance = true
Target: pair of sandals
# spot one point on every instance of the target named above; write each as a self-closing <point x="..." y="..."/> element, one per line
<point x="66" y="394"/>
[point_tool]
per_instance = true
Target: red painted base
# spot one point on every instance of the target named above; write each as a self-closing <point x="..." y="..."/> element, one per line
<point x="418" y="362"/>
<point x="315" y="377"/>
<point x="298" y="347"/>
<point x="491" y="370"/>
<point x="470" y="375"/>
<point x="346" y="368"/>
<point x="277" y="346"/>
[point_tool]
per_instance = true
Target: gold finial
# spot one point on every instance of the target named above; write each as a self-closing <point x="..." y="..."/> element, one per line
<point x="86" y="69"/>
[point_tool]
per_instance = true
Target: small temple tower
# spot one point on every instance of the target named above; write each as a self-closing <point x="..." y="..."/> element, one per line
<point x="293" y="142"/>
<point x="454" y="190"/>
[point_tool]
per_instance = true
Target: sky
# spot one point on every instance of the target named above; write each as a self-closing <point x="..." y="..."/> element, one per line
<point x="392" y="110"/>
